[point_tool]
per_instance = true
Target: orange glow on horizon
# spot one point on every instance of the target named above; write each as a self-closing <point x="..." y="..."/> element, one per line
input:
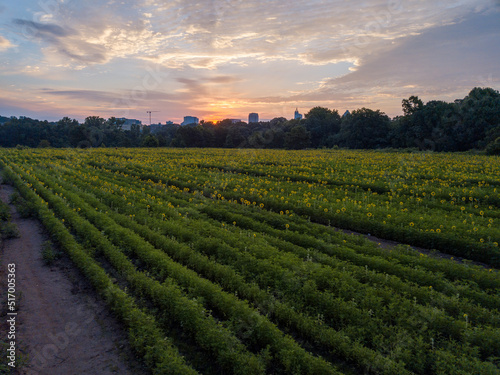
<point x="218" y="117"/>
<point x="213" y="120"/>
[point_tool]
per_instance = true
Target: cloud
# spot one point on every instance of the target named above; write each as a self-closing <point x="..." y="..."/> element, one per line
<point x="443" y="62"/>
<point x="215" y="33"/>
<point x="267" y="55"/>
<point x="5" y="44"/>
<point x="91" y="33"/>
<point x="86" y="95"/>
<point x="193" y="87"/>
<point x="41" y="30"/>
<point x="223" y="79"/>
<point x="454" y="55"/>
<point x="63" y="40"/>
<point x="106" y="97"/>
<point x="312" y="32"/>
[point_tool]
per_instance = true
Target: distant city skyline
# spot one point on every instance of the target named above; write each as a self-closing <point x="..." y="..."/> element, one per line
<point x="215" y="60"/>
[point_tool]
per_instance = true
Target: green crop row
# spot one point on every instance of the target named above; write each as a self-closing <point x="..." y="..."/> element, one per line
<point x="145" y="336"/>
<point x="453" y="271"/>
<point x="246" y="247"/>
<point x="229" y="213"/>
<point x="396" y="226"/>
<point x="228" y="351"/>
<point x="262" y="331"/>
<point x="453" y="292"/>
<point x="135" y="210"/>
<point x="225" y="276"/>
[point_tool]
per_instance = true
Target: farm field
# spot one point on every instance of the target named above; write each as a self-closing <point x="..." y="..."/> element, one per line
<point x="231" y="261"/>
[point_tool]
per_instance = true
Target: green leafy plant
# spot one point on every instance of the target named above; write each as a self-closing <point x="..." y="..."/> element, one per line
<point x="49" y="254"/>
<point x="9" y="230"/>
<point x="24" y="208"/>
<point x="4" y="212"/>
<point x="240" y="257"/>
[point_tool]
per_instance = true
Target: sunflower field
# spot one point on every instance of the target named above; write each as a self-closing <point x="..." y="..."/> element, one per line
<point x="225" y="261"/>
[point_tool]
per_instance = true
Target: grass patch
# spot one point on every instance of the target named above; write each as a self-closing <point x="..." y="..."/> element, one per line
<point x="24" y="208"/>
<point x="49" y="255"/>
<point x="8" y="230"/>
<point x="4" y="212"/>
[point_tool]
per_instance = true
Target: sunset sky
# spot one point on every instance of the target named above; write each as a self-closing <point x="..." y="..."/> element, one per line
<point x="225" y="58"/>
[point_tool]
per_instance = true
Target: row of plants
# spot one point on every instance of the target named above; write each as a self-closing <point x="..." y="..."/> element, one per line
<point x="298" y="225"/>
<point x="167" y="295"/>
<point x="300" y="232"/>
<point x="462" y="224"/>
<point x="309" y="244"/>
<point x="144" y="334"/>
<point x="7" y="228"/>
<point x="129" y="198"/>
<point x="257" y="329"/>
<point x="265" y="302"/>
<point x="278" y="285"/>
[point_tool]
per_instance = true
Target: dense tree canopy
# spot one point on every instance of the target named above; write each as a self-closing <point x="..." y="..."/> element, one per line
<point x="469" y="123"/>
<point x="323" y="124"/>
<point x="412" y="105"/>
<point x="298" y="138"/>
<point x="364" y="128"/>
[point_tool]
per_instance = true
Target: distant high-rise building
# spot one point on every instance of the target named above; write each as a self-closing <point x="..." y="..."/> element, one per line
<point x="346" y="113"/>
<point x="234" y="120"/>
<point x="188" y="120"/>
<point x="253" y="117"/>
<point x="297" y="115"/>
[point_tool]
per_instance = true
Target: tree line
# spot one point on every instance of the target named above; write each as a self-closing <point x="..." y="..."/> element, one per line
<point x="469" y="123"/>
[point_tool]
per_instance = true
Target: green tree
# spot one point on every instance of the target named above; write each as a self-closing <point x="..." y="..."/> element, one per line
<point x="236" y="137"/>
<point x="297" y="138"/>
<point x="44" y="144"/>
<point x="189" y="136"/>
<point x="412" y="105"/>
<point x="364" y="128"/>
<point x="94" y="121"/>
<point x="493" y="148"/>
<point x="478" y="114"/>
<point x="150" y="141"/>
<point x="62" y="132"/>
<point x="114" y="123"/>
<point x="323" y="123"/>
<point x="278" y="122"/>
<point x="66" y="122"/>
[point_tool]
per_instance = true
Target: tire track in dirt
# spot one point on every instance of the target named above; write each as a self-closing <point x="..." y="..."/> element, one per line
<point x="61" y="326"/>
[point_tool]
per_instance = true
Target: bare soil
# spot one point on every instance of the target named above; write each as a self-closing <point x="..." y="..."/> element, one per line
<point x="62" y="327"/>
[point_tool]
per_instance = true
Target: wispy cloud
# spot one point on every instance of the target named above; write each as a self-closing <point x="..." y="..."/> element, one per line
<point x="232" y="56"/>
<point x="86" y="95"/>
<point x="4" y="44"/>
<point x="44" y="31"/>
<point x="416" y="64"/>
<point x="63" y="40"/>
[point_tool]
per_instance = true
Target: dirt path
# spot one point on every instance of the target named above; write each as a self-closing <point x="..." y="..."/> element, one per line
<point x="61" y="326"/>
